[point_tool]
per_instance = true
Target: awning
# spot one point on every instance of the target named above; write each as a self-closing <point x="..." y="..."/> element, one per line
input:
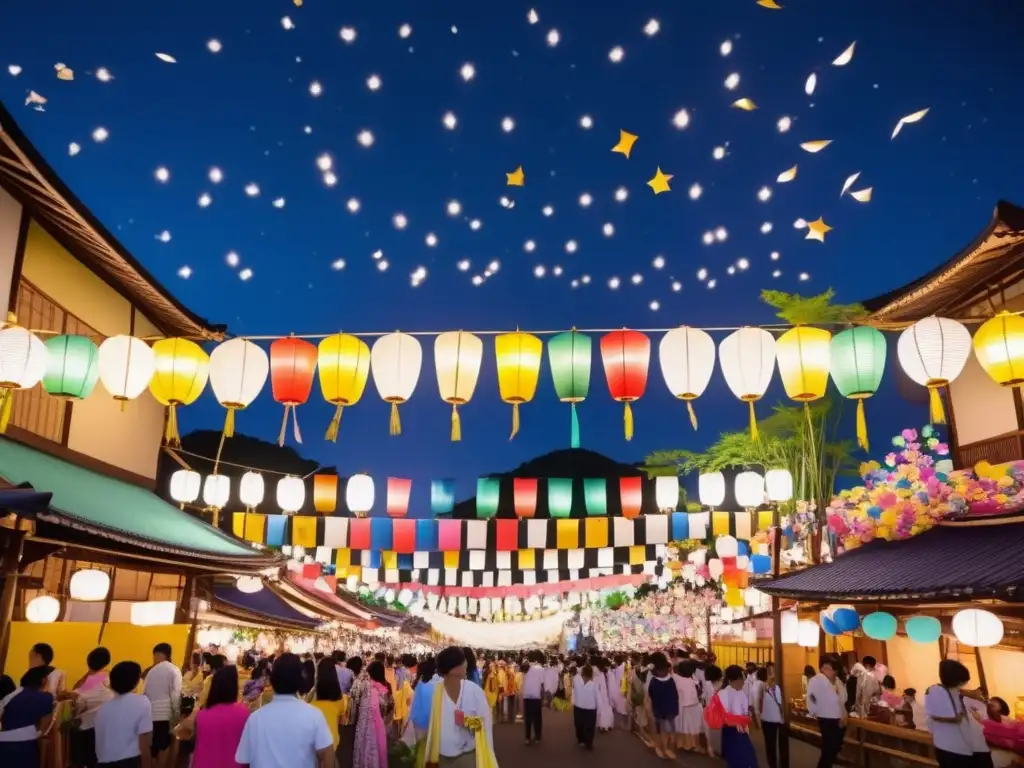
<point x="265" y="603"/>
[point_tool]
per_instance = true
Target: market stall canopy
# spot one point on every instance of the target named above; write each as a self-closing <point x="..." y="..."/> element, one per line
<point x="25" y="502"/>
<point x="265" y="604"/>
<point x="332" y="605"/>
<point x="962" y="561"/>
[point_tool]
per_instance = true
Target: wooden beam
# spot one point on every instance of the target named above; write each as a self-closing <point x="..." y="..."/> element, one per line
<point x="10" y="563"/>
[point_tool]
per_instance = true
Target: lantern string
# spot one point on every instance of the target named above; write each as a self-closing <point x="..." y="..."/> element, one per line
<point x="862" y="425"/>
<point x="335" y="425"/>
<point x="177" y="452"/>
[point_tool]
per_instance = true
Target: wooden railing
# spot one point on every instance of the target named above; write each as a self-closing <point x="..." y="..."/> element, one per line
<point x="995" y="450"/>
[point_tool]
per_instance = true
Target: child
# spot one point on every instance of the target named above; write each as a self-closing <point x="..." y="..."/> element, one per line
<point x="712" y="684"/>
<point x="737" y="748"/>
<point x="584" y="710"/>
<point x="662" y="705"/>
<point x="690" y="723"/>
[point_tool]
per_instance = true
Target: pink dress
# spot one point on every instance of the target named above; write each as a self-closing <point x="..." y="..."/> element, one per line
<point x="218" y="731"/>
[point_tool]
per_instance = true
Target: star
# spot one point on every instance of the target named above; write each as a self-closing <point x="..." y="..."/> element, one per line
<point x="660" y="182"/>
<point x="626" y="142"/>
<point x="517" y="178"/>
<point x="769" y="4"/>
<point x="816" y="230"/>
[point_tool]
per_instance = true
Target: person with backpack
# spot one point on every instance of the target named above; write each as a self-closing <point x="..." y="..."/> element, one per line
<point x="662" y="704"/>
<point x="729" y="710"/>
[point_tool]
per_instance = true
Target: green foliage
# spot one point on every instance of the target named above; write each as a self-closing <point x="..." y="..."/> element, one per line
<point x="244" y="636"/>
<point x="615" y="600"/>
<point x="810" y="310"/>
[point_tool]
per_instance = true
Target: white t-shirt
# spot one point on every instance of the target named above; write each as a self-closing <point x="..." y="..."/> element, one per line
<point x="286" y="732"/>
<point x="826" y="699"/>
<point x="533" y="682"/>
<point x="119" y="723"/>
<point x="964" y="737"/>
<point x="163" y="689"/>
<point x="584" y="694"/>
<point x="456" y="740"/>
<point x="735" y="702"/>
<point x="771" y="704"/>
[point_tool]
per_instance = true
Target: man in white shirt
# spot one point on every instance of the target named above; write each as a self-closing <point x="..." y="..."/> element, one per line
<point x="584" y="707"/>
<point x="124" y="723"/>
<point x="286" y="732"/>
<point x="826" y="701"/>
<point x="163" y="689"/>
<point x="551" y="675"/>
<point x="533" y="688"/>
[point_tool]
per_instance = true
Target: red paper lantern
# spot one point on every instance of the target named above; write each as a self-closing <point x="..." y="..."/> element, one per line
<point x="631" y="495"/>
<point x="292" y="366"/>
<point x="627" y="356"/>
<point x="399" y="490"/>
<point x="524" y="494"/>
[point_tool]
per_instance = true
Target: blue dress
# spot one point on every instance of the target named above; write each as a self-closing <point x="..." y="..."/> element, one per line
<point x="27" y="708"/>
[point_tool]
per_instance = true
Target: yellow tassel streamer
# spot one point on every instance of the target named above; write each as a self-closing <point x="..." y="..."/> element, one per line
<point x="693" y="414"/>
<point x="396" y="422"/>
<point x="229" y="423"/>
<point x="862" y="426"/>
<point x="938" y="413"/>
<point x="124" y="404"/>
<point x="753" y="421"/>
<point x="515" y="420"/>
<point x="6" y="404"/>
<point x="171" y="436"/>
<point x="627" y="420"/>
<point x="456" y="425"/>
<point x="335" y="425"/>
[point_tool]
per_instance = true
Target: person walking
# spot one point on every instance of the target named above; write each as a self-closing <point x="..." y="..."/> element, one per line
<point x="584" y="707"/>
<point x="532" y="692"/>
<point x="163" y="689"/>
<point x="770" y="712"/>
<point x="219" y="725"/>
<point x="124" y="725"/>
<point x="826" y="701"/>
<point x="737" y="748"/>
<point x="460" y="734"/>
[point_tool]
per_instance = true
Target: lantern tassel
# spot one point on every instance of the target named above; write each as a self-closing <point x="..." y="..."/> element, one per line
<point x="171" y="436"/>
<point x="284" y="427"/>
<point x="515" y="420"/>
<point x="693" y="415"/>
<point x="753" y="421"/>
<point x="296" y="432"/>
<point x="396" y="422"/>
<point x="574" y="438"/>
<point x="862" y="426"/>
<point x="332" y="428"/>
<point x="124" y="404"/>
<point x="938" y="413"/>
<point x="456" y="425"/>
<point x="627" y="421"/>
<point x="6" y="404"/>
<point x="229" y="423"/>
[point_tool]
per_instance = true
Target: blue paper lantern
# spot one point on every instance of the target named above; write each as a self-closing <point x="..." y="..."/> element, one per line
<point x="760" y="564"/>
<point x="846" y="619"/>
<point x="830" y="627"/>
<point x="879" y="625"/>
<point x="924" y="629"/>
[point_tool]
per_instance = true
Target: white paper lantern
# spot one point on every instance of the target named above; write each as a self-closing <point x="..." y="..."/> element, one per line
<point x="747" y="357"/>
<point x="666" y="492"/>
<point x="807" y="634"/>
<point x="238" y="371"/>
<point x="687" y="358"/>
<point x="973" y="626"/>
<point x="89" y="585"/>
<point x="251" y="489"/>
<point x="749" y="635"/>
<point x="752" y="597"/>
<point x="126" y="366"/>
<point x="779" y="485"/>
<point x="395" y="361"/>
<point x="933" y="352"/>
<point x="185" y="486"/>
<point x="352" y="584"/>
<point x="711" y="489"/>
<point x="291" y="494"/>
<point x="216" y="491"/>
<point x="790" y="628"/>
<point x="457" y="359"/>
<point x="42" y="610"/>
<point x="726" y="613"/>
<point x="249" y="585"/>
<point x="727" y="546"/>
<point x="23" y="359"/>
<point x="153" y="613"/>
<point x="359" y="495"/>
<point x="749" y="488"/>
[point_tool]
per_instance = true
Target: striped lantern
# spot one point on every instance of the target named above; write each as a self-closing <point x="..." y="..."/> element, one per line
<point x="72" y="367"/>
<point x="518" y="355"/>
<point x="687" y="358"/>
<point x="343" y="366"/>
<point x="569" y="355"/>
<point x="627" y="356"/>
<point x="933" y="352"/>
<point x="292" y="365"/>
<point x="23" y="360"/>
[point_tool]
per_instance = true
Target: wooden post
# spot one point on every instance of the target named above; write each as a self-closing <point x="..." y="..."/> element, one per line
<point x="777" y="648"/>
<point x="11" y="561"/>
<point x="190" y="601"/>
<point x="106" y="606"/>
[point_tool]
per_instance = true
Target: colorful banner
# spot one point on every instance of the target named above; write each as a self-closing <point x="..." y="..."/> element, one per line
<point x="524" y="496"/>
<point x="595" y="495"/>
<point x="442" y="496"/>
<point x="559" y="497"/>
<point x="488" y="493"/>
<point x="399" y="490"/>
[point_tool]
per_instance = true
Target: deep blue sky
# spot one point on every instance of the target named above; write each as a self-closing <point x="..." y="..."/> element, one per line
<point x="245" y="110"/>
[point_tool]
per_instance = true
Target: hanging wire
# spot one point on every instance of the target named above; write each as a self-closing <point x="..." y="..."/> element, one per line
<point x="177" y="452"/>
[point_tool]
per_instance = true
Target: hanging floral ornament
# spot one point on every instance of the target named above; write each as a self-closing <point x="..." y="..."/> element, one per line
<point x="343" y="365"/>
<point x="396" y="360"/>
<point x="569" y="355"/>
<point x="747" y="357"/>
<point x="292" y="365"/>
<point x="23" y="359"/>
<point x="238" y="371"/>
<point x="858" y="361"/>
<point x="804" y="356"/>
<point x="126" y="367"/>
<point x="181" y="368"/>
<point x="627" y="356"/>
<point x="72" y="367"/>
<point x="457" y="359"/>
<point x="518" y="355"/>
<point x="687" y="358"/>
<point x="933" y="352"/>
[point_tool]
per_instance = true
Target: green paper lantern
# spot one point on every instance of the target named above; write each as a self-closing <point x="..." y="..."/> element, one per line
<point x="72" y="367"/>
<point x="488" y="491"/>
<point x="595" y="494"/>
<point x="857" y="364"/>
<point x="559" y="496"/>
<point x="570" y="354"/>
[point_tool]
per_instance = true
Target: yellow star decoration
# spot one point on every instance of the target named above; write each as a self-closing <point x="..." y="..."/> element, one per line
<point x="660" y="182"/>
<point x="626" y="142"/>
<point x="816" y="230"/>
<point x="517" y="178"/>
<point x="769" y="4"/>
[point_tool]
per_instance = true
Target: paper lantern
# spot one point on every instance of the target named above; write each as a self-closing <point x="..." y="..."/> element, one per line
<point x="524" y="496"/>
<point x="933" y="352"/>
<point x="879" y="625"/>
<point x="749" y="490"/>
<point x="791" y="628"/>
<point x="778" y="484"/>
<point x="251" y="490"/>
<point x="518" y="355"/>
<point x="292" y="366"/>
<point x="457" y="359"/>
<point x="807" y="634"/>
<point x="630" y="496"/>
<point x="181" y="368"/>
<point x="727" y="546"/>
<point x="846" y="618"/>
<point x="488" y="493"/>
<point x="559" y="496"/>
<point x="999" y="347"/>
<point x="351" y="583"/>
<point x="687" y="357"/>
<point x="711" y="489"/>
<point x="923" y="629"/>
<point x="442" y="496"/>
<point x="249" y="585"/>
<point x="325" y="493"/>
<point x="395" y="360"/>
<point x="126" y="366"/>
<point x="72" y="367"/>
<point x="43" y="609"/>
<point x="291" y="494"/>
<point x="343" y="365"/>
<point x="399" y="490"/>
<point x="627" y="356"/>
<point x="760" y="564"/>
<point x="89" y="585"/>
<point x="973" y="626"/>
<point x="216" y="491"/>
<point x="153" y="613"/>
<point x="186" y="486"/>
<point x="666" y="492"/>
<point x="23" y="361"/>
<point x="238" y="371"/>
<point x="747" y="357"/>
<point x="858" y="361"/>
<point x="595" y="497"/>
<point x="569" y="355"/>
<point x="359" y="494"/>
<point x="804" y="358"/>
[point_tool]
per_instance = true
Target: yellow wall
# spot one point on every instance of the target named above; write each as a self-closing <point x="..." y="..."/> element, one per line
<point x="72" y="641"/>
<point x="129" y="439"/>
<point x="10" y="223"/>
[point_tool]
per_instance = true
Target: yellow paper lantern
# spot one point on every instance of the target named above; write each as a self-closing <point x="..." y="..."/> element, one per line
<point x="804" y="357"/>
<point x="343" y="365"/>
<point x="181" y="371"/>
<point x="999" y="347"/>
<point x="518" y="356"/>
<point x="457" y="359"/>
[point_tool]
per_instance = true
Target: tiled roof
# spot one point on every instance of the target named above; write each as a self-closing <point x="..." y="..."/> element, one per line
<point x="265" y="602"/>
<point x="959" y="562"/>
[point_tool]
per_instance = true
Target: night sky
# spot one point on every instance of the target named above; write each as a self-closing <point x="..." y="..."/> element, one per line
<point x="271" y="94"/>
